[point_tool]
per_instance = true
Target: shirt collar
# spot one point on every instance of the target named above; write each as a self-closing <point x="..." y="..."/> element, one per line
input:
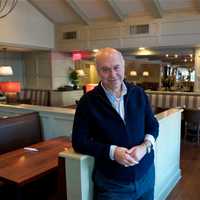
<point x="123" y="89"/>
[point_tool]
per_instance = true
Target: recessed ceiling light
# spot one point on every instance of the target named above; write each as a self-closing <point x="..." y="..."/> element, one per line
<point x="175" y="55"/>
<point x="141" y="48"/>
<point x="95" y="50"/>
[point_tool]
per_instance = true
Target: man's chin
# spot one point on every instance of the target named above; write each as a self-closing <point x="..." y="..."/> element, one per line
<point x="116" y="84"/>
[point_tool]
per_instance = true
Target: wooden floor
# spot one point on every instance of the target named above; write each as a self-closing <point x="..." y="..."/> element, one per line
<point x="188" y="187"/>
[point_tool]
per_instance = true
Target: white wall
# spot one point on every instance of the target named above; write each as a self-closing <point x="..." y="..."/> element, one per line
<point x="60" y="62"/>
<point x="25" y="26"/>
<point x="38" y="70"/>
<point x="171" y="30"/>
<point x="182" y="30"/>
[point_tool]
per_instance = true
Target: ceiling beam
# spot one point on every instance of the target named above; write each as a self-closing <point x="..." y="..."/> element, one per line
<point x="155" y="8"/>
<point x="116" y="10"/>
<point x="41" y="11"/>
<point x="197" y="4"/>
<point x="76" y="8"/>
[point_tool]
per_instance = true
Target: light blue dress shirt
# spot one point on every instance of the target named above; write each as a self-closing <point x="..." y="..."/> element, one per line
<point x="118" y="105"/>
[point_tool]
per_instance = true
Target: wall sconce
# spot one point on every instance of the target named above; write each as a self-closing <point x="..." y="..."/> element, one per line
<point x="133" y="73"/>
<point x="145" y="73"/>
<point x="6" y="71"/>
<point x="10" y="89"/>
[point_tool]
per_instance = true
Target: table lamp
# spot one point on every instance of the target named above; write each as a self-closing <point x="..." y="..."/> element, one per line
<point x="89" y="87"/>
<point x="6" y="71"/>
<point x="10" y="89"/>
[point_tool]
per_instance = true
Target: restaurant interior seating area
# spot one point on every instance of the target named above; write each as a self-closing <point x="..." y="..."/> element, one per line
<point x="34" y="97"/>
<point x="47" y="63"/>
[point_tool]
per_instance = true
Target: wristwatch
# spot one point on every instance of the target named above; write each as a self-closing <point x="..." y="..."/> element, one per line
<point x="148" y="146"/>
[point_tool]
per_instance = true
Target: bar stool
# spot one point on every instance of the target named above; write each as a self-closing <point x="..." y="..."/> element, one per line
<point x="192" y="124"/>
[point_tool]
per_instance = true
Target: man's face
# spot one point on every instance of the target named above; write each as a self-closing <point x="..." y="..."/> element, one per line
<point x="110" y="68"/>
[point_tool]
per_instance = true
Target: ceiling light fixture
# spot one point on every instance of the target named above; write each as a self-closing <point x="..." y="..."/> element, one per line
<point x="95" y="50"/>
<point x="6" y="6"/>
<point x="175" y="55"/>
<point x="141" y="48"/>
<point x="5" y="69"/>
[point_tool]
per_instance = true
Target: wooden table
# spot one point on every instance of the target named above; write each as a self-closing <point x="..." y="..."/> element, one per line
<point x="22" y="166"/>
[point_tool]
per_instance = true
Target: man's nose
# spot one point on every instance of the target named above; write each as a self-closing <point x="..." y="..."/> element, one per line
<point x="112" y="73"/>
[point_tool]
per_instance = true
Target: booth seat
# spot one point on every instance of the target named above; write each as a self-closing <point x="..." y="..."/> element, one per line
<point x="34" y="97"/>
<point x="19" y="131"/>
<point x="164" y="99"/>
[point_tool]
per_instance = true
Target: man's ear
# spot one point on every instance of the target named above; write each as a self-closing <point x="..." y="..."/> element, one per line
<point x="123" y="62"/>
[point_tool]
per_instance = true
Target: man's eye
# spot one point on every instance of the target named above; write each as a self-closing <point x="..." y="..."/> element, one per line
<point x="105" y="69"/>
<point x="116" y="68"/>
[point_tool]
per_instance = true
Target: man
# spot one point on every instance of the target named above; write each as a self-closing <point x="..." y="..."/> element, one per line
<point x="115" y="124"/>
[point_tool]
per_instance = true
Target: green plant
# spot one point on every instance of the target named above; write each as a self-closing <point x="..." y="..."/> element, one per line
<point x="73" y="77"/>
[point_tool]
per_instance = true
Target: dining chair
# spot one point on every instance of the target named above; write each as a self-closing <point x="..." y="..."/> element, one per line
<point x="192" y="124"/>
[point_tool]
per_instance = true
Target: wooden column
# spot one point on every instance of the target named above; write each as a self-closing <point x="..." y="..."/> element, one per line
<point x="197" y="70"/>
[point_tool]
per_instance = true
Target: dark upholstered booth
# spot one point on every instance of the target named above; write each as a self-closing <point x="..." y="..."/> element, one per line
<point x="19" y="131"/>
<point x="34" y="97"/>
<point x="192" y="124"/>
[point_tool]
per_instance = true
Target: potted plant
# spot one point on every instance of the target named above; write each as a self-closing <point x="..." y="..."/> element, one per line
<point x="74" y="79"/>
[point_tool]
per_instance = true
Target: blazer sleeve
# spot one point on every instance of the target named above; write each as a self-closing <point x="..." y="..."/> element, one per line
<point x="151" y="123"/>
<point x="82" y="140"/>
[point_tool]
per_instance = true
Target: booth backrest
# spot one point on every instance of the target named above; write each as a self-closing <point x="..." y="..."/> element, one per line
<point x="19" y="131"/>
<point x="171" y="100"/>
<point x="34" y="97"/>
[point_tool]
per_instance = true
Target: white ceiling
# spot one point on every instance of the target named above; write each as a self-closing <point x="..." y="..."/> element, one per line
<point x="91" y="11"/>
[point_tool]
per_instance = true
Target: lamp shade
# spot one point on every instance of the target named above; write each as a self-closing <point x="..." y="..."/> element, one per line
<point x="10" y="87"/>
<point x="133" y="73"/>
<point x="6" y="71"/>
<point x="89" y="87"/>
<point x="145" y="73"/>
